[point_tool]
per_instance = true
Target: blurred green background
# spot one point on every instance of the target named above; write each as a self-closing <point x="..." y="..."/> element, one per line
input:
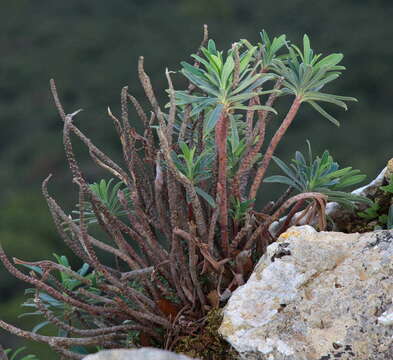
<point x="91" y="49"/>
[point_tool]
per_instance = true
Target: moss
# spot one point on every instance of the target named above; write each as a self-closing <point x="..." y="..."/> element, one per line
<point x="208" y="344"/>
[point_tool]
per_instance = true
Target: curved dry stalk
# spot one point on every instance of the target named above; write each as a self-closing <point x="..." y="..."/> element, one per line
<point x="99" y="156"/>
<point x="48" y="265"/>
<point x="236" y="70"/>
<point x="172" y="109"/>
<point x="241" y="234"/>
<point x="58" y="342"/>
<point x="59" y="213"/>
<point x="290" y="215"/>
<point x="160" y="202"/>
<point x="93" y="309"/>
<point x="148" y="88"/>
<point x="276" y="216"/>
<point x="216" y="265"/>
<point x="89" y="332"/>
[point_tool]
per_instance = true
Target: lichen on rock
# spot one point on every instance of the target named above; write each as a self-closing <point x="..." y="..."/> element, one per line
<point x="316" y="296"/>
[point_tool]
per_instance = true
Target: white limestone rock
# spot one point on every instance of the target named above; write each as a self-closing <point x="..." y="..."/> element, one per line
<point x="316" y="296"/>
<point x="387" y="317"/>
<point x="136" y="354"/>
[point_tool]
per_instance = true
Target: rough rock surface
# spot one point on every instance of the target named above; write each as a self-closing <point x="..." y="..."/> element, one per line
<point x="316" y="296"/>
<point x="139" y="354"/>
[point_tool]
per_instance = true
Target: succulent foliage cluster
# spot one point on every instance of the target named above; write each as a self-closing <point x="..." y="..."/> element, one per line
<point x="381" y="209"/>
<point x="179" y="217"/>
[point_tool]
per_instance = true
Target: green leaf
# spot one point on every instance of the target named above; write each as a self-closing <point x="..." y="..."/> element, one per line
<point x="202" y="84"/>
<point x="234" y="132"/>
<point x="352" y="180"/>
<point x="79" y="349"/>
<point x="211" y="69"/>
<point x="282" y="180"/>
<point x="245" y="60"/>
<point x="338" y="173"/>
<point x="182" y="98"/>
<point x="213" y="118"/>
<point x="324" y="113"/>
<point x="211" y="46"/>
<point x="185" y="149"/>
<point x="388" y="188"/>
<point x="192" y="69"/>
<point x="255" y="108"/>
<point x="330" y="60"/>
<point x="307" y="49"/>
<point x="202" y="106"/>
<point x="347" y="196"/>
<point x="318" y="96"/>
<point x="227" y="71"/>
<point x="64" y="261"/>
<point x="212" y="60"/>
<point x="252" y="82"/>
<point x="84" y="269"/>
<point x="243" y="97"/>
<point x="18" y="351"/>
<point x="390" y="218"/>
<point x="206" y="196"/>
<point x="50" y="300"/>
<point x="40" y="326"/>
<point x="35" y="313"/>
<point x="37" y="269"/>
<point x="284" y="167"/>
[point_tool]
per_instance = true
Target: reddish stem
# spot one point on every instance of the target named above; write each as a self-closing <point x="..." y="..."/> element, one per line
<point x="221" y="142"/>
<point x="272" y="146"/>
<point x="290" y="215"/>
<point x="276" y="216"/>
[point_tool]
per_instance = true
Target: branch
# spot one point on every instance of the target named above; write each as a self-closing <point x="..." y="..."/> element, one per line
<point x="198" y="212"/>
<point x="221" y="144"/>
<point x="272" y="147"/>
<point x="294" y="199"/>
<point x="57" y="341"/>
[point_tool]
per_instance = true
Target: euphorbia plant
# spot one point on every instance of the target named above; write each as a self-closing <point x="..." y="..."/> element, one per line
<point x="180" y="216"/>
<point x="322" y="175"/>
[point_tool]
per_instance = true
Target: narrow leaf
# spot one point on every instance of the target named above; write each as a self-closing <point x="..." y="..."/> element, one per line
<point x="206" y="196"/>
<point x="213" y="118"/>
<point x="324" y="113"/>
